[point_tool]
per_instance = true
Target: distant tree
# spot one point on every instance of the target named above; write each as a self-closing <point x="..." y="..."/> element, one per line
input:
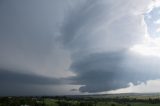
<point x="128" y="104"/>
<point x="113" y="104"/>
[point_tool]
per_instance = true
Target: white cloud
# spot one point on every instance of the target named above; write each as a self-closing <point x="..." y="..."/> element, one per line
<point x="149" y="47"/>
<point x="151" y="86"/>
<point x="157" y="22"/>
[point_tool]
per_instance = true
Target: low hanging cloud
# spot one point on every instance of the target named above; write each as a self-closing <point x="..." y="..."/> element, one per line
<point x="14" y="83"/>
<point x="99" y="35"/>
<point x="22" y="78"/>
<point x="110" y="71"/>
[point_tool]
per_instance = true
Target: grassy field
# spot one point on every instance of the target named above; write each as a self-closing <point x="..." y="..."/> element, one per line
<point x="85" y="100"/>
<point x="51" y="102"/>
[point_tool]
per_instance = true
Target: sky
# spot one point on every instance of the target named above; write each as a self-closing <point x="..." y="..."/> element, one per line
<point x="70" y="47"/>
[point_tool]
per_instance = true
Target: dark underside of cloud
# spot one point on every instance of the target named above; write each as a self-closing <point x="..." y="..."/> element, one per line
<point x="22" y="78"/>
<point x="15" y="83"/>
<point x="98" y="35"/>
<point x="108" y="71"/>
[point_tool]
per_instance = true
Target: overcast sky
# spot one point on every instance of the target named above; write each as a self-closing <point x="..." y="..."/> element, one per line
<point x="58" y="47"/>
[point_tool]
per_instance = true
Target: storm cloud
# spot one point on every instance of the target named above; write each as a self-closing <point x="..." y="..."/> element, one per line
<point x="111" y="71"/>
<point x="99" y="35"/>
<point x="22" y="78"/>
<point x="14" y="83"/>
<point x="45" y="45"/>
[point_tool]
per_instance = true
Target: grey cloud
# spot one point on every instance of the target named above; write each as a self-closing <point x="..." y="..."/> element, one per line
<point x="15" y="83"/>
<point x="98" y="35"/>
<point x="28" y="37"/>
<point x="23" y="78"/>
<point x="110" y="71"/>
<point x="98" y="26"/>
<point x="90" y="37"/>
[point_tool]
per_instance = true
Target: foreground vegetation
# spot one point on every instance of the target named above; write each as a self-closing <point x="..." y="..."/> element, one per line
<point x="94" y="100"/>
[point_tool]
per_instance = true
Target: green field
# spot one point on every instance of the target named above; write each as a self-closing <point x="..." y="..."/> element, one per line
<point x="84" y="100"/>
<point x="51" y="102"/>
